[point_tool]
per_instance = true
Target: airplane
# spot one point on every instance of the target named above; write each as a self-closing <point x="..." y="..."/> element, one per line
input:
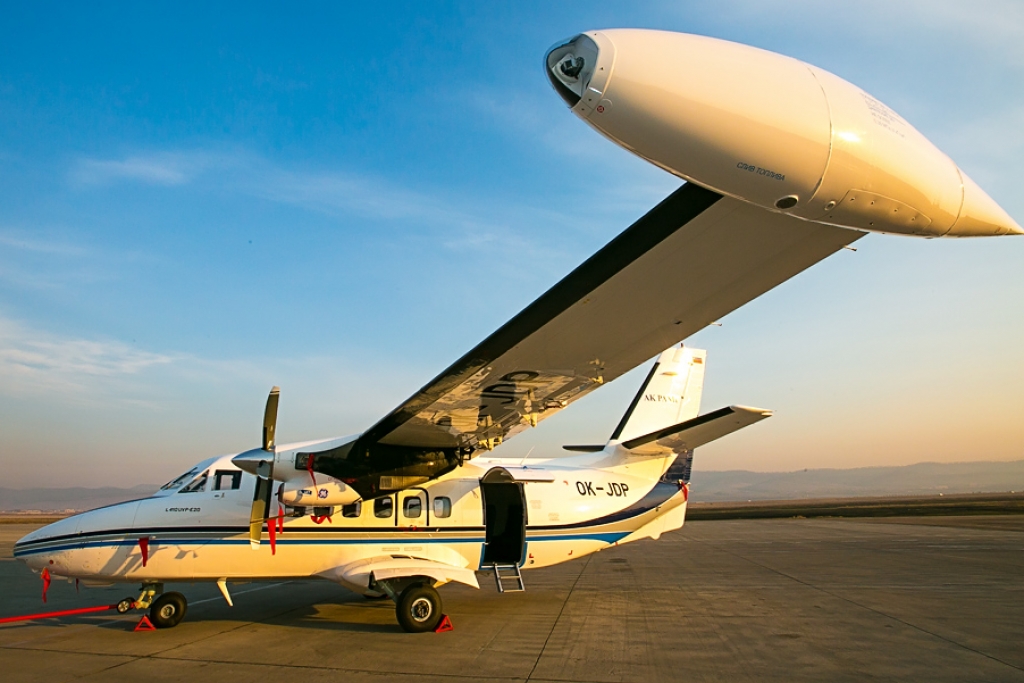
<point x="498" y="514"/>
<point x="784" y="164"/>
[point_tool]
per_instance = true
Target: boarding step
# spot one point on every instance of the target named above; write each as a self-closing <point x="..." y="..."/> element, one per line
<point x="511" y="574"/>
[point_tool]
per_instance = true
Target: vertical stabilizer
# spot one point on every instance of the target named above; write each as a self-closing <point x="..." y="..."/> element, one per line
<point x="669" y="395"/>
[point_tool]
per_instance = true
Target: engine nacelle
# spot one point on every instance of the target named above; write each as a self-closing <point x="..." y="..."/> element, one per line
<point x="328" y="492"/>
<point x="769" y="130"/>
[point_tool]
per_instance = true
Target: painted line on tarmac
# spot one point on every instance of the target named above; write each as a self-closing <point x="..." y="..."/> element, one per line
<point x="251" y="590"/>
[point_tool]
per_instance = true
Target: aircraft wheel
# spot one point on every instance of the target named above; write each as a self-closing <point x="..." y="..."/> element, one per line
<point x="419" y="608"/>
<point x="168" y="610"/>
<point x="126" y="605"/>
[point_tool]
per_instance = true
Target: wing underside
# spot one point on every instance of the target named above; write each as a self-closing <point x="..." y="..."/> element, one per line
<point x="688" y="262"/>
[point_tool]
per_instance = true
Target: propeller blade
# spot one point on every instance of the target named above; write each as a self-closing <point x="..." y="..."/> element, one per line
<point x="260" y="502"/>
<point x="270" y="419"/>
<point x="264" y="472"/>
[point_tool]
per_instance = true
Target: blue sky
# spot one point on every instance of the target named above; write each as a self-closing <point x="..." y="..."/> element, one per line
<point x="198" y="201"/>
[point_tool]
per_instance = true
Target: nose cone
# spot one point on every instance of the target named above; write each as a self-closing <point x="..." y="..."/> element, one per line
<point x="980" y="216"/>
<point x="249" y="461"/>
<point x="36" y="549"/>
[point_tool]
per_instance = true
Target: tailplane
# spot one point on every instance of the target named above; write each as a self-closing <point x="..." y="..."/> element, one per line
<point x="670" y="394"/>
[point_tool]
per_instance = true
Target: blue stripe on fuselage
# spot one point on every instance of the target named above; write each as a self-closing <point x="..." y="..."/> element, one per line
<point x="606" y="537"/>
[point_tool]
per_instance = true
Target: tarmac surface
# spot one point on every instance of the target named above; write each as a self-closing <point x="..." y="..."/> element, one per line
<point x="910" y="599"/>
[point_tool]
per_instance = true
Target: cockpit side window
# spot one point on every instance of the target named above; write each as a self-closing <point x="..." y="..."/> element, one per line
<point x="197" y="485"/>
<point x="227" y="480"/>
<point x="175" y="483"/>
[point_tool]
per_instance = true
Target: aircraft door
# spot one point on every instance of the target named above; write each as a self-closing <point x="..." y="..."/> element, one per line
<point x="504" y="518"/>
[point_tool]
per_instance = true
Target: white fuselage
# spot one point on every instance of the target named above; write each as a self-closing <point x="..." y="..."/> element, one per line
<point x="574" y="506"/>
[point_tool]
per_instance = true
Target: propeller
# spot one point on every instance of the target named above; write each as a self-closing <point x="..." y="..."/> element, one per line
<point x="264" y="472"/>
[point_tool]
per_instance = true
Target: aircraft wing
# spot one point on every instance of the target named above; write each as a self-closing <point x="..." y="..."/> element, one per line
<point x="360" y="575"/>
<point x="689" y="261"/>
<point x="696" y="432"/>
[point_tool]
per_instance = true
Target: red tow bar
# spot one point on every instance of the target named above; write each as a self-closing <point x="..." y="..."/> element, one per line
<point x="62" y="613"/>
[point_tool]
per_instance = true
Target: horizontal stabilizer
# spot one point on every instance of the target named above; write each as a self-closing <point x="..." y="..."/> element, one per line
<point x="696" y="432"/>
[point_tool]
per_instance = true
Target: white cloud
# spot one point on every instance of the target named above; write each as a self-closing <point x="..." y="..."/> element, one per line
<point x="164" y="169"/>
<point x="474" y="224"/>
<point x="33" y="361"/>
<point x="994" y="26"/>
<point x="21" y="242"/>
<point x="43" y="259"/>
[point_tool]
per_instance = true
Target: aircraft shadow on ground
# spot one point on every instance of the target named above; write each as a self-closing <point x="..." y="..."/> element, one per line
<point x="348" y="612"/>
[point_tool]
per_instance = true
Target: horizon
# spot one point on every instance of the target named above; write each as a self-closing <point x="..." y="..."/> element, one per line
<point x="696" y="471"/>
<point x="202" y="202"/>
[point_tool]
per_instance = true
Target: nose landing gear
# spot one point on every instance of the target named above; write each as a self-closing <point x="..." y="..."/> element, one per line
<point x="166" y="610"/>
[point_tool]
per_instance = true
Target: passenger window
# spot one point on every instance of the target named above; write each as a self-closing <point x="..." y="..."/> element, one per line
<point x="382" y="507"/>
<point x="352" y="509"/>
<point x="442" y="506"/>
<point x="227" y="480"/>
<point x="197" y="485"/>
<point x="413" y="507"/>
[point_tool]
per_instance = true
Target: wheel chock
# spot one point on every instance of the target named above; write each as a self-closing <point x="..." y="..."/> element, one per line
<point x="445" y="625"/>
<point x="144" y="625"/>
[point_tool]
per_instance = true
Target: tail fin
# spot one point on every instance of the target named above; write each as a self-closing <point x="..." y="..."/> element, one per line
<point x="669" y="395"/>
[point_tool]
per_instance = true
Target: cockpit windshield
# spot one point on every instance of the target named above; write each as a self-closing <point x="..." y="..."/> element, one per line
<point x="176" y="483"/>
<point x="197" y="485"/>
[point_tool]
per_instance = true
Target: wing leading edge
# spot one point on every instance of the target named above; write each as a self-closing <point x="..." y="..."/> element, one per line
<point x="689" y="261"/>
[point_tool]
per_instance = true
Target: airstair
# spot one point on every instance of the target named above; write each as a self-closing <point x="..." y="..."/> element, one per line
<point x="505" y="574"/>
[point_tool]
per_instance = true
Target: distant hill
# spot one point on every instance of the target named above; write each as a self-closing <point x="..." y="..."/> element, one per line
<point x="927" y="478"/>
<point x="923" y="479"/>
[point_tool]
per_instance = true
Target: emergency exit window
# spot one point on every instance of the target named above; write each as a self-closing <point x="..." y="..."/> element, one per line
<point x="383" y="507"/>
<point x="413" y="507"/>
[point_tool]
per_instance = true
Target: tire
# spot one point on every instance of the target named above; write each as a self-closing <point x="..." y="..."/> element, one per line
<point x="419" y="609"/>
<point x="168" y="610"/>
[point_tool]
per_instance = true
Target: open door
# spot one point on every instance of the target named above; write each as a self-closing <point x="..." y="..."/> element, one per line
<point x="504" y="518"/>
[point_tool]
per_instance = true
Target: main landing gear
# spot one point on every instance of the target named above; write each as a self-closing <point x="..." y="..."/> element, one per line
<point x="419" y="608"/>
<point x="417" y="603"/>
<point x="166" y="610"/>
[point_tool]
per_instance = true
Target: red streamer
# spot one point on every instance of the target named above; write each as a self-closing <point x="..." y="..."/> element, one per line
<point x="46" y="581"/>
<point x="144" y="547"/>
<point x="309" y="468"/>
